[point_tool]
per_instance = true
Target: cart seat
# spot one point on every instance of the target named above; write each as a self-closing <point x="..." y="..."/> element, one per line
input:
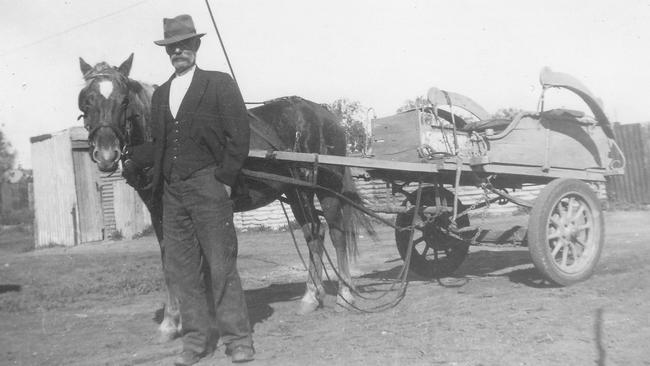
<point x="563" y="113"/>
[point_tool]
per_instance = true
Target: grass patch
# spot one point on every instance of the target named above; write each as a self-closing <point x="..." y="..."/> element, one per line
<point x="62" y="281"/>
<point x="148" y="231"/>
<point x="17" y="238"/>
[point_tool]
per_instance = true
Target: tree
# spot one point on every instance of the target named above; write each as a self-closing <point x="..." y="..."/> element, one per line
<point x="418" y="102"/>
<point x="7" y="154"/>
<point x="352" y="115"/>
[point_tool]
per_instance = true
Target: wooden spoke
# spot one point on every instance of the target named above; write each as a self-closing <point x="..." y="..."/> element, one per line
<point x="572" y="250"/>
<point x="579" y="242"/>
<point x="569" y="209"/>
<point x="556" y="220"/>
<point x="578" y="213"/>
<point x="565" y="254"/>
<point x="425" y="250"/>
<point x="556" y="234"/>
<point x="558" y="246"/>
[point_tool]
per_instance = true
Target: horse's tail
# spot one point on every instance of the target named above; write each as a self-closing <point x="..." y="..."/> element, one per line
<point x="353" y="218"/>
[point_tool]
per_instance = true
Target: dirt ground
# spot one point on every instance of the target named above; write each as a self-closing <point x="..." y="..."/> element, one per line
<point x="95" y="305"/>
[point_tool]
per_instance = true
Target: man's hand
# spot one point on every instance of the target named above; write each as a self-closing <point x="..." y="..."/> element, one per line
<point x="130" y="172"/>
<point x="228" y="189"/>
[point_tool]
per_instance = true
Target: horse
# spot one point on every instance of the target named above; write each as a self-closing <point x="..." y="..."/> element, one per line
<point x="115" y="110"/>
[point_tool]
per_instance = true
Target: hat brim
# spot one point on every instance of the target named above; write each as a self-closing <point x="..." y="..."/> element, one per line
<point x="179" y="38"/>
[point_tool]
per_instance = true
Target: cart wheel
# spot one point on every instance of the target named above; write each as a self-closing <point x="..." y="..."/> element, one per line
<point x="566" y="231"/>
<point x="435" y="254"/>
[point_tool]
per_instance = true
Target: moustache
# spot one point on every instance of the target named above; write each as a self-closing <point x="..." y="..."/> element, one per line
<point x="178" y="57"/>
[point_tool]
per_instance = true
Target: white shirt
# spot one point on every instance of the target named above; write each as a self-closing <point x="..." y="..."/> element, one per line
<point x="179" y="86"/>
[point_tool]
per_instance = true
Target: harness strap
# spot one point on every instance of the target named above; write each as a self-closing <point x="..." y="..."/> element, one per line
<point x="274" y="144"/>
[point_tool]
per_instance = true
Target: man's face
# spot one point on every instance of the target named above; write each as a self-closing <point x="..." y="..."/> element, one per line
<point x="183" y="54"/>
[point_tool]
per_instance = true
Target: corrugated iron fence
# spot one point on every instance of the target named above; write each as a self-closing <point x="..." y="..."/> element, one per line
<point x="634" y="186"/>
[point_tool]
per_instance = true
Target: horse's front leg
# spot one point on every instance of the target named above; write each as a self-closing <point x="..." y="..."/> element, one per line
<point x="170" y="326"/>
<point x="312" y="300"/>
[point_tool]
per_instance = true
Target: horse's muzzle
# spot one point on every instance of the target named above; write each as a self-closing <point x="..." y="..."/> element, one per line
<point x="106" y="159"/>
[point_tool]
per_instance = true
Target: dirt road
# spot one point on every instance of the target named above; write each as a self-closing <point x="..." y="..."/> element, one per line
<point x="94" y="305"/>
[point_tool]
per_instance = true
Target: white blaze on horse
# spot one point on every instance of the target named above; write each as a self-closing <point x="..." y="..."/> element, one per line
<point x="117" y="116"/>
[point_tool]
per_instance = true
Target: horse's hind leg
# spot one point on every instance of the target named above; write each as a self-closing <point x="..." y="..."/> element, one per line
<point x="314" y="292"/>
<point x="333" y="213"/>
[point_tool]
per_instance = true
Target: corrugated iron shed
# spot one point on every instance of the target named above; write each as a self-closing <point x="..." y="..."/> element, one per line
<point x="73" y="202"/>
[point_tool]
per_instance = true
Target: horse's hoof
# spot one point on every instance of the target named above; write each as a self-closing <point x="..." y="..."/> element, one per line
<point x="307" y="307"/>
<point x="167" y="337"/>
<point x="167" y="332"/>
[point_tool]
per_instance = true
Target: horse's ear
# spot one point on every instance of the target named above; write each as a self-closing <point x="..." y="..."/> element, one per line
<point x="84" y="66"/>
<point x="125" y="67"/>
<point x="134" y="86"/>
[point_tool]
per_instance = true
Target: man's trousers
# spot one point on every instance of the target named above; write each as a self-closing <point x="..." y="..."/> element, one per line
<point x="200" y="246"/>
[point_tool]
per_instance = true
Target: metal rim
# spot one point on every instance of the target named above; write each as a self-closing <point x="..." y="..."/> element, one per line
<point x="572" y="234"/>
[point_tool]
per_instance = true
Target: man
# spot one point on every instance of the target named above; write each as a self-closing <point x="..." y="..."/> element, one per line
<point x="201" y="140"/>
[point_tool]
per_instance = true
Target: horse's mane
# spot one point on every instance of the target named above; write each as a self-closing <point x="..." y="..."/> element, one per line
<point x="139" y="93"/>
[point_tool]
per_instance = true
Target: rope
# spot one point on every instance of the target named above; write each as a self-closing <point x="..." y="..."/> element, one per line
<point x="295" y="242"/>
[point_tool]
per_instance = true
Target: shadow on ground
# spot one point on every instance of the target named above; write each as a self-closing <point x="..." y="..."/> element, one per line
<point x="9" y="288"/>
<point x="259" y="300"/>
<point x="482" y="263"/>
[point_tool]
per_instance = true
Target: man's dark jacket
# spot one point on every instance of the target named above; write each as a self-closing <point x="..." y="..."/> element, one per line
<point x="216" y="120"/>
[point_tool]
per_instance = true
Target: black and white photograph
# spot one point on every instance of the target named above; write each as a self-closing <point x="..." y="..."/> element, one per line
<point x="324" y="183"/>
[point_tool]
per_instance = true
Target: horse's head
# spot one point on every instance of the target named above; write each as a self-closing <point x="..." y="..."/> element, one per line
<point x="107" y="111"/>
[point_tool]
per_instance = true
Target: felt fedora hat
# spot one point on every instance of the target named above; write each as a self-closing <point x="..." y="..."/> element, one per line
<point x="178" y="29"/>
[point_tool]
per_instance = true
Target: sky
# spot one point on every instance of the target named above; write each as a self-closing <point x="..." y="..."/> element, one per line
<point x="380" y="53"/>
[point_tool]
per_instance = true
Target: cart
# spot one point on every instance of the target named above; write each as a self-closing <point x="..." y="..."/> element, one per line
<point x="452" y="142"/>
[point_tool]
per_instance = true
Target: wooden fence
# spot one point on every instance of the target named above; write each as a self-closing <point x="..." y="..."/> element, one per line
<point x="634" y="186"/>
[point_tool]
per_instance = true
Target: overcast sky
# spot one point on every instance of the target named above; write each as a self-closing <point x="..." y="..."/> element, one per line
<point x="380" y="53"/>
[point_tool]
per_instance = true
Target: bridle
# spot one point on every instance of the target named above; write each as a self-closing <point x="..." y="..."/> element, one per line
<point x="124" y="131"/>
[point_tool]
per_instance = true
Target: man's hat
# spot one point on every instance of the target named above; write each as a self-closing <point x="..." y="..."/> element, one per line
<point x="178" y="29"/>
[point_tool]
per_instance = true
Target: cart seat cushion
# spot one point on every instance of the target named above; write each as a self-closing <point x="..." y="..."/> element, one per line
<point x="497" y="124"/>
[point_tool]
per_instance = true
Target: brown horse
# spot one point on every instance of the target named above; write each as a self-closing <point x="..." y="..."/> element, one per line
<point x="116" y="114"/>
